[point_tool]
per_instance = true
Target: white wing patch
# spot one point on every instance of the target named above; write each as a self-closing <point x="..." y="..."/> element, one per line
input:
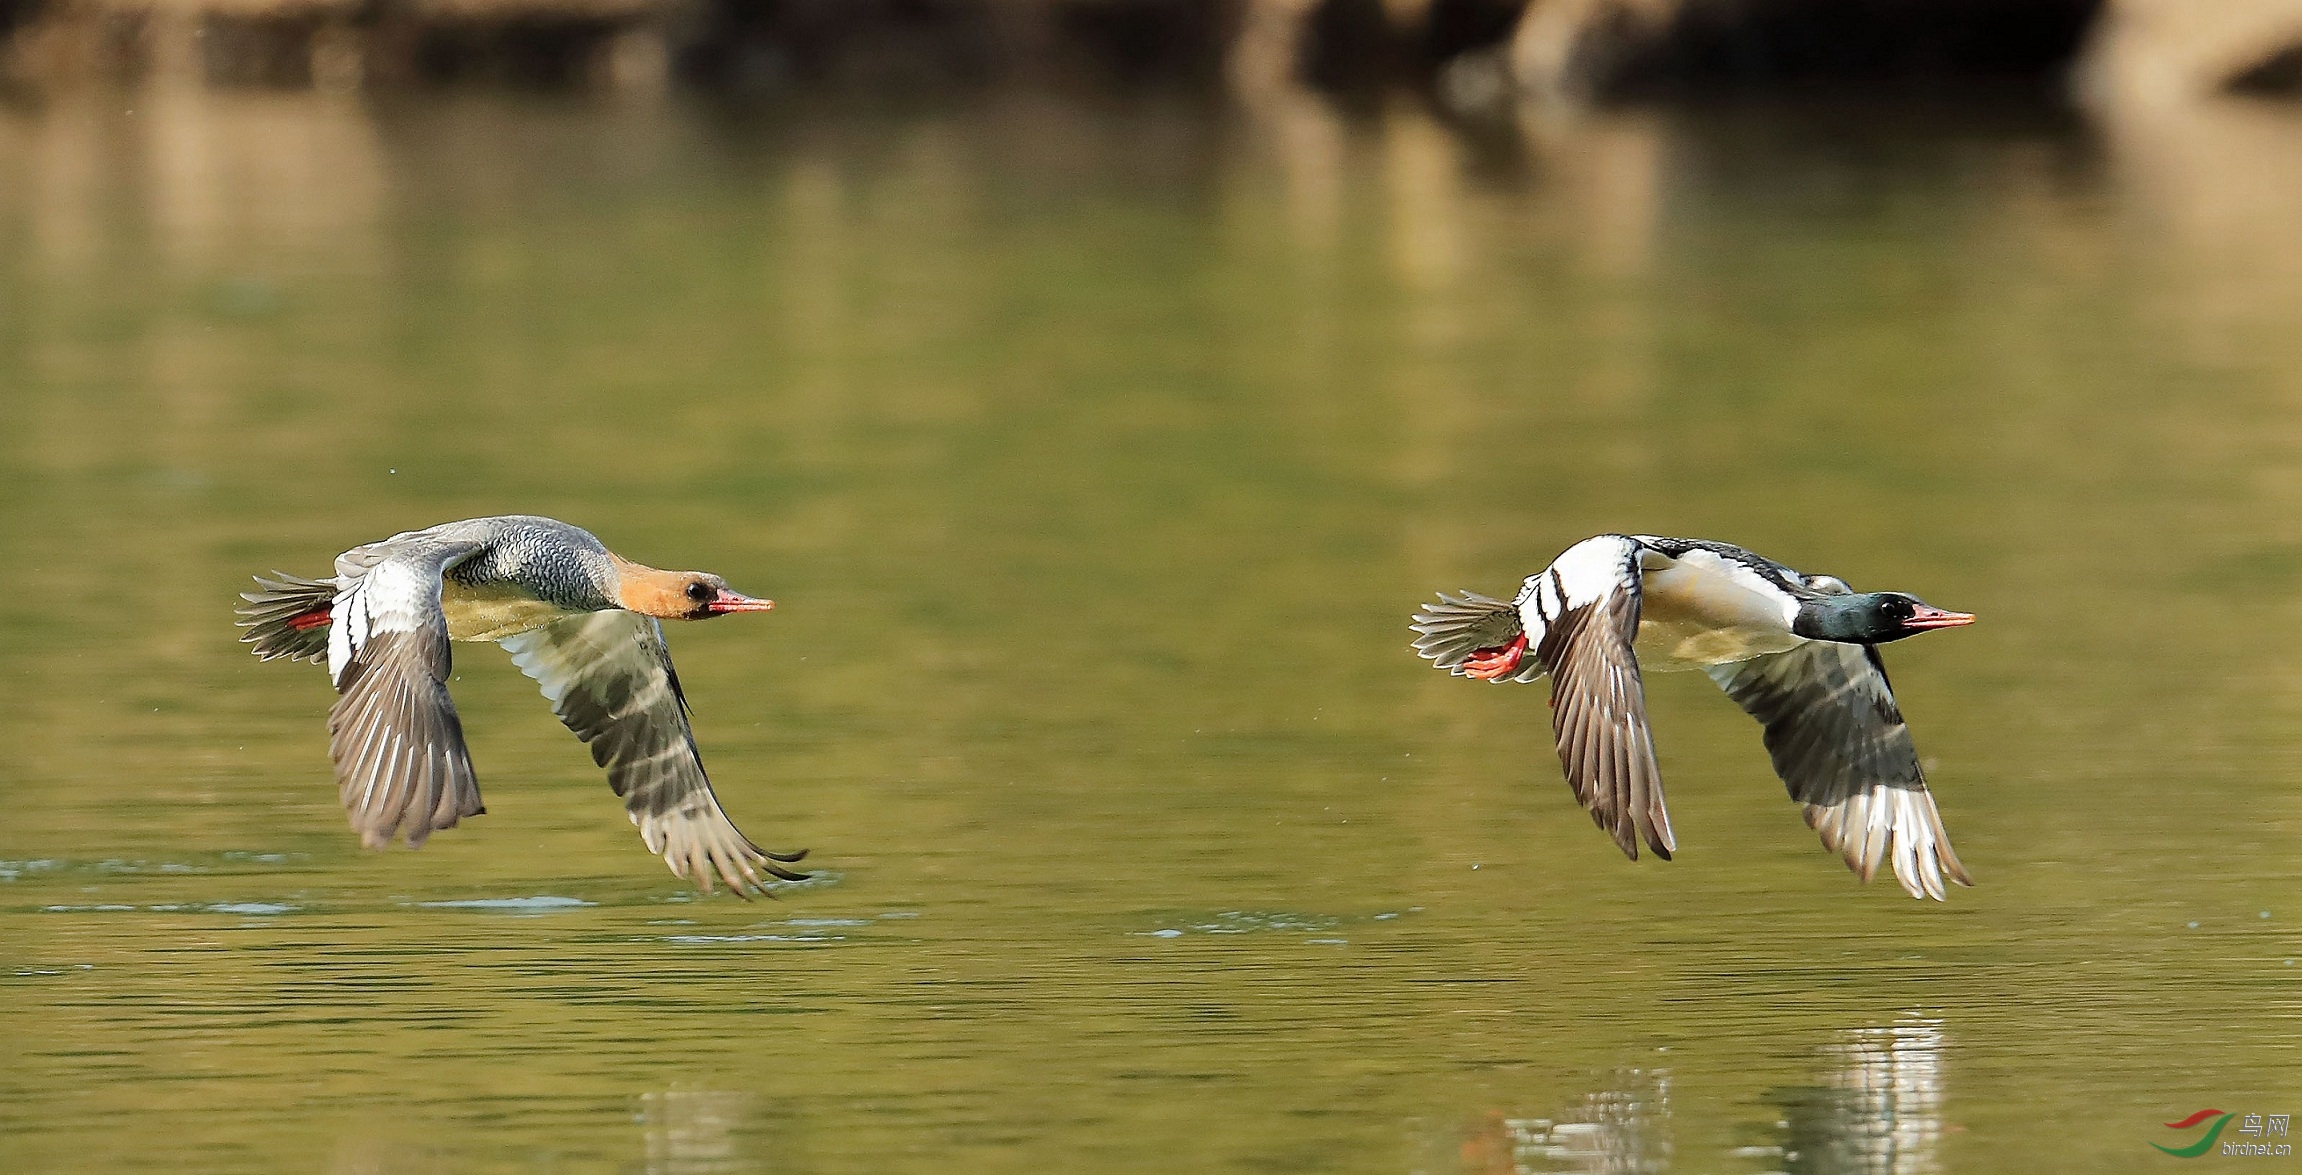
<point x="392" y="596"/>
<point x="401" y="765"/>
<point x="1598" y="705"/>
<point x="1592" y="570"/>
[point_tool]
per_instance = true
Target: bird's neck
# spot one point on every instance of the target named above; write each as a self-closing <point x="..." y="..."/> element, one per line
<point x="650" y="591"/>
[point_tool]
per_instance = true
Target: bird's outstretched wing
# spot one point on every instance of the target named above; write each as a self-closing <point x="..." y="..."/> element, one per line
<point x="1589" y="603"/>
<point x="1839" y="743"/>
<point x="609" y="678"/>
<point x="393" y="733"/>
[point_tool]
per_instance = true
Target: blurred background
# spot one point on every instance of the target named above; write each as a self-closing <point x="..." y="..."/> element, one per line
<point x="1098" y="385"/>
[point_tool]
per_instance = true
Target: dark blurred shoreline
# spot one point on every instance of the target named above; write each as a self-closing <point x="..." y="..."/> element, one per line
<point x="1470" y="53"/>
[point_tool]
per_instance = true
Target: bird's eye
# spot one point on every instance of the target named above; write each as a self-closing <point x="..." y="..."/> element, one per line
<point x="700" y="592"/>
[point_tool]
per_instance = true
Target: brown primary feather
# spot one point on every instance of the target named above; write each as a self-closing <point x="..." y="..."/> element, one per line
<point x="397" y="743"/>
<point x="1598" y="717"/>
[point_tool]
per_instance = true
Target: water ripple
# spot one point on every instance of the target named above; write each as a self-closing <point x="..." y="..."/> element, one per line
<point x="540" y="904"/>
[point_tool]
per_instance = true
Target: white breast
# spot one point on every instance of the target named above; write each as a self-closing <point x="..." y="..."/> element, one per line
<point x="1700" y="609"/>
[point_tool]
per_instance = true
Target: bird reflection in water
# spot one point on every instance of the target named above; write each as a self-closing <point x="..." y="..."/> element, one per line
<point x="692" y="1132"/>
<point x="1620" y="1129"/>
<point x="1879" y="1111"/>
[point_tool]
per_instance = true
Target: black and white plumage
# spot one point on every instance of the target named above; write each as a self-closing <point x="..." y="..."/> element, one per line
<point x="1797" y="652"/>
<point x="581" y="621"/>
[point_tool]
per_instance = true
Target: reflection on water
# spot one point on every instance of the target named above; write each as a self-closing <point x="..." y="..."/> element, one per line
<point x="1873" y="1106"/>
<point x="2215" y="181"/>
<point x="1879" y="1112"/>
<point x="691" y="1132"/>
<point x="1620" y="1130"/>
<point x="1095" y="452"/>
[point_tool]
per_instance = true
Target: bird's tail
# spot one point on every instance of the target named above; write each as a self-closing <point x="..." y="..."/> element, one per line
<point x="1454" y="629"/>
<point x="287" y="616"/>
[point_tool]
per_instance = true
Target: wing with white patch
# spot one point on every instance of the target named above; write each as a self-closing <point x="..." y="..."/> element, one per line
<point x="609" y="678"/>
<point x="1589" y="605"/>
<point x="398" y="746"/>
<point x="1839" y="743"/>
<point x="1449" y="631"/>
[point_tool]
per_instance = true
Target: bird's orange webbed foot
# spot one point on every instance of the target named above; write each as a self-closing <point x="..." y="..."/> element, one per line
<point x="1498" y="662"/>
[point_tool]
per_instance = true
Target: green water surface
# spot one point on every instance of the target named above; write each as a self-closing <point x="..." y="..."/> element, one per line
<point x="1095" y="451"/>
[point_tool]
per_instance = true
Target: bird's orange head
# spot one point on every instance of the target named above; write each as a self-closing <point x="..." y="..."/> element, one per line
<point x="679" y="595"/>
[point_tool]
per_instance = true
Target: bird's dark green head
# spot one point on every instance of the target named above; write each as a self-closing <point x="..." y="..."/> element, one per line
<point x="1871" y="618"/>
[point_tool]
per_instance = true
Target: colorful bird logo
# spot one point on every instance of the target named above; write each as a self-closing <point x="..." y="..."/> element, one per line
<point x="2199" y="1147"/>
